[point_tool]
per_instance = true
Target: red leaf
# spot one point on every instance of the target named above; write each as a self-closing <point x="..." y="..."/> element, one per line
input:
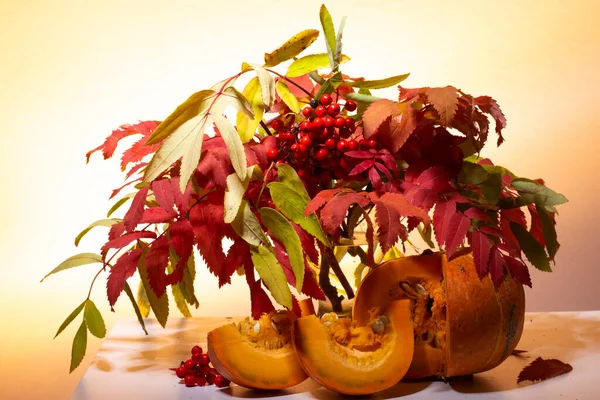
<point x="435" y="178"/>
<point x="518" y="270"/>
<point x="310" y="287"/>
<point x="395" y="122"/>
<point x="506" y="217"/>
<point x="320" y="200"/>
<point x="334" y="212"/>
<point x="110" y="144"/>
<point x="444" y="210"/>
<point x="123" y="269"/>
<point x="388" y="159"/>
<point x="422" y="198"/>
<point x="457" y="230"/>
<point x="214" y="166"/>
<point x="116" y="230"/>
<point x="308" y="244"/>
<point x="384" y="170"/>
<point x="478" y="214"/>
<point x="118" y="190"/>
<point x="134" y="169"/>
<point x="360" y="154"/>
<point x="404" y="207"/>
<point x="375" y="178"/>
<point x="156" y="260"/>
<point x="156" y="215"/>
<point x="163" y="192"/>
<point x="137" y="152"/>
<point x="209" y="228"/>
<point x="136" y="210"/>
<point x="181" y="240"/>
<point x="445" y="102"/>
<point x="536" y="225"/>
<point x="182" y="200"/>
<point x="362" y="167"/>
<point x="490" y="106"/>
<point x="124" y="240"/>
<point x="238" y="253"/>
<point x="389" y="226"/>
<point x="377" y="114"/>
<point x="496" y="266"/>
<point x="260" y="302"/>
<point x="541" y="369"/>
<point x="481" y="251"/>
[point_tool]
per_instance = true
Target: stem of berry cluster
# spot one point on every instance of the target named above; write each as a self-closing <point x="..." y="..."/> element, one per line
<point x="329" y="290"/>
<point x="285" y="78"/>
<point x="335" y="266"/>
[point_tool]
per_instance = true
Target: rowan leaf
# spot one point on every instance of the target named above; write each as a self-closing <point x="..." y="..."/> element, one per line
<point x="247" y="126"/>
<point x="136" y="210"/>
<point x="389" y="226"/>
<point x="194" y="105"/>
<point x="288" y="98"/>
<point x="533" y="250"/>
<point x="292" y="47"/>
<point x="329" y="31"/>
<point x="233" y="143"/>
<point x="119" y="203"/>
<point x="282" y="229"/>
<point x="496" y="264"/>
<point x="136" y="308"/>
<point x="435" y="178"/>
<point x="518" y="270"/>
<point x="239" y="101"/>
<point x="549" y="231"/>
<point x="533" y="192"/>
<point x="79" y="347"/>
<point x="206" y="218"/>
<point x="378" y="113"/>
<point x="70" y="319"/>
<point x="237" y="255"/>
<point x="490" y="106"/>
<point x="444" y="210"/>
<point x="361" y="167"/>
<point x="234" y="193"/>
<point x="337" y="55"/>
<point x="362" y="98"/>
<point x="321" y="198"/>
<point x="123" y="269"/>
<point x="334" y="212"/>
<point x="101" y="222"/>
<point x="458" y="227"/>
<point x="187" y="284"/>
<point x="124" y="240"/>
<point x="272" y="275"/>
<point x="159" y="305"/>
<point x="142" y="300"/>
<point x="75" y="261"/>
<point x="472" y="174"/>
<point x="267" y="85"/>
<point x="156" y="215"/>
<point x="506" y="216"/>
<point x="378" y="83"/>
<point x="445" y="101"/>
<point x="163" y="193"/>
<point x="247" y="226"/>
<point x="93" y="319"/>
<point x="288" y="176"/>
<point x="311" y="62"/>
<point x="541" y="369"/>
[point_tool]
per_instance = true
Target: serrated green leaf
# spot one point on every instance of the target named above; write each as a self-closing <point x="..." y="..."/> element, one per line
<point x="75" y="261"/>
<point x="472" y="174"/>
<point x="239" y="101"/>
<point x="378" y="83"/>
<point x="159" y="305"/>
<point x="362" y="98"/>
<point x="358" y="274"/>
<point x="136" y="308"/>
<point x="247" y="126"/>
<point x="119" y="203"/>
<point x="178" y="295"/>
<point x="187" y="284"/>
<point x="246" y="225"/>
<point x="336" y="80"/>
<point x="281" y="228"/>
<point x="533" y="192"/>
<point x="193" y="106"/>
<point x="498" y="170"/>
<point x="79" y="347"/>
<point x="288" y="98"/>
<point x="311" y="62"/>
<point x="533" y="250"/>
<point x="234" y="145"/>
<point x="492" y="188"/>
<point x="70" y="319"/>
<point x="142" y="300"/>
<point x="425" y="233"/>
<point x="271" y="273"/>
<point x="288" y="176"/>
<point x="292" y="205"/>
<point x="337" y="56"/>
<point x="100" y="222"/>
<point x="549" y="231"/>
<point x="94" y="320"/>
<point x="234" y="193"/>
<point x="329" y="31"/>
<point x="291" y="48"/>
<point x="267" y="85"/>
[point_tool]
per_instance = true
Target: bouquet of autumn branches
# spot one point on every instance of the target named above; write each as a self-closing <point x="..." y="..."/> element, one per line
<point x="310" y="155"/>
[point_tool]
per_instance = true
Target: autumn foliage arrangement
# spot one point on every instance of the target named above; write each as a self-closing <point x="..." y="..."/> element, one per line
<point x="308" y="160"/>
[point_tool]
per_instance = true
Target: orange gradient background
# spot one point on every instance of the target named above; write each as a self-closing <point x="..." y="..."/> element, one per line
<point x="71" y="71"/>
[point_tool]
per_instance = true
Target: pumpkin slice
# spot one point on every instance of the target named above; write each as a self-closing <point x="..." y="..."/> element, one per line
<point x="257" y="354"/>
<point x="356" y="360"/>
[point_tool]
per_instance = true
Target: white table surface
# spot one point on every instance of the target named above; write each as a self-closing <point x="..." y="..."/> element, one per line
<point x="130" y="365"/>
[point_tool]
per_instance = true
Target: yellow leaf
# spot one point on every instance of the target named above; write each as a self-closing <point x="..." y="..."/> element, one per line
<point x="311" y="62"/>
<point x="247" y="126"/>
<point x="290" y="49"/>
<point x="288" y="98"/>
<point x="234" y="145"/>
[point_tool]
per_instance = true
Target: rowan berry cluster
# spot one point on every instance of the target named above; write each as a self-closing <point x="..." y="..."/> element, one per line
<point x="196" y="371"/>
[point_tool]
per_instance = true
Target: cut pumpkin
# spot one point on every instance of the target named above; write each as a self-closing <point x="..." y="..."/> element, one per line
<point x="352" y="359"/>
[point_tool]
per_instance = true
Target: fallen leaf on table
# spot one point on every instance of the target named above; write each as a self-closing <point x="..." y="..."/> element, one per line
<point x="541" y="369"/>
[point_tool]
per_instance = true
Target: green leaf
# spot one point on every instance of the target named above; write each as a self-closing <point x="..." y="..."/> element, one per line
<point x="234" y="145"/>
<point x="75" y="261"/>
<point x="267" y="85"/>
<point x="291" y="48"/>
<point x="549" y="231"/>
<point x="234" y="193"/>
<point x="119" y="203"/>
<point x="492" y="188"/>
<point x="425" y="233"/>
<point x="288" y="98"/>
<point x="358" y="274"/>
<point x="378" y="83"/>
<point x="247" y="126"/>
<point x="329" y="31"/>
<point x="533" y="192"/>
<point x="316" y="77"/>
<point x="472" y="174"/>
<point x="272" y="275"/>
<point x="292" y="205"/>
<point x="159" y="305"/>
<point x="336" y="80"/>
<point x="239" y="101"/>
<point x="311" y="62"/>
<point x="193" y="106"/>
<point x="288" y="176"/>
<point x="70" y="319"/>
<point x="94" y="320"/>
<point x="187" y="284"/>
<point x="178" y="295"/>
<point x="79" y="346"/>
<point x="337" y="57"/>
<point x="281" y="228"/>
<point x="362" y="98"/>
<point x="142" y="300"/>
<point x="100" y="222"/>
<point x="326" y="87"/>
<point x="246" y="225"/>
<point x="136" y="308"/>
<point x="533" y="250"/>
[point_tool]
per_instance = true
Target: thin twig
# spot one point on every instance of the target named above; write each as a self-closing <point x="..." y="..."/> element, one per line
<point x="333" y="263"/>
<point x="329" y="290"/>
<point x="285" y="78"/>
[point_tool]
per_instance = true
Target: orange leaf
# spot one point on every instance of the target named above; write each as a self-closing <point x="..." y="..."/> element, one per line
<point x="445" y="102"/>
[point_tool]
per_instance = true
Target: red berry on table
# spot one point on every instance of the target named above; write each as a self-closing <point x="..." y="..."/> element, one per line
<point x="196" y="358"/>
<point x="210" y="377"/>
<point x="329" y="121"/>
<point x="372" y="144"/>
<point x="306" y="140"/>
<point x="333" y="109"/>
<point x="204" y="369"/>
<point x="272" y="154"/>
<point x="277" y="124"/>
<point x="197" y="349"/>
<point x="204" y="359"/>
<point x="321" y="154"/>
<point x="325" y="100"/>
<point x="181" y="372"/>
<point x="342" y="146"/>
<point x="330" y="143"/>
<point x="318" y="123"/>
<point x="306" y="126"/>
<point x="320" y="111"/>
<point x="340" y="122"/>
<point x="188" y="364"/>
<point x="200" y="380"/>
<point x="350" y="105"/>
<point x="221" y="381"/>
<point x="352" y="144"/>
<point x="189" y="380"/>
<point x="307" y="112"/>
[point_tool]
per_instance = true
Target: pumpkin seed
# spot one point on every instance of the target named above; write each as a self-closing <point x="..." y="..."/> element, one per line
<point x="378" y="326"/>
<point x="420" y="289"/>
<point x="410" y="292"/>
<point x="256" y="327"/>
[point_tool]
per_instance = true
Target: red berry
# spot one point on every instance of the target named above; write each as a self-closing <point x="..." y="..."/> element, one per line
<point x="210" y="377"/>
<point x="189" y="380"/>
<point x="333" y="109"/>
<point x="318" y="123"/>
<point x="350" y="105"/>
<point x="204" y="359"/>
<point x="307" y="112"/>
<point x="221" y="381"/>
<point x="328" y="132"/>
<point x="306" y="126"/>
<point x="372" y="144"/>
<point x="271" y="155"/>
<point x="344" y="164"/>
<point x="363" y="144"/>
<point x="330" y="143"/>
<point x="286" y="137"/>
<point x="279" y="162"/>
<point x="350" y="122"/>
<point x="277" y="125"/>
<point x="329" y="121"/>
<point x="302" y="148"/>
<point x="342" y="146"/>
<point x="204" y="369"/>
<point x="344" y="132"/>
<point x="321" y="154"/>
<point x="301" y="173"/>
<point x="306" y="140"/>
<point x="352" y="144"/>
<point x="325" y="100"/>
<point x="340" y="122"/>
<point x="196" y="350"/>
<point x="181" y="372"/>
<point x="188" y="364"/>
<point x="320" y="111"/>
<point x="200" y="380"/>
<point x="294" y="147"/>
<point x="197" y="357"/>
